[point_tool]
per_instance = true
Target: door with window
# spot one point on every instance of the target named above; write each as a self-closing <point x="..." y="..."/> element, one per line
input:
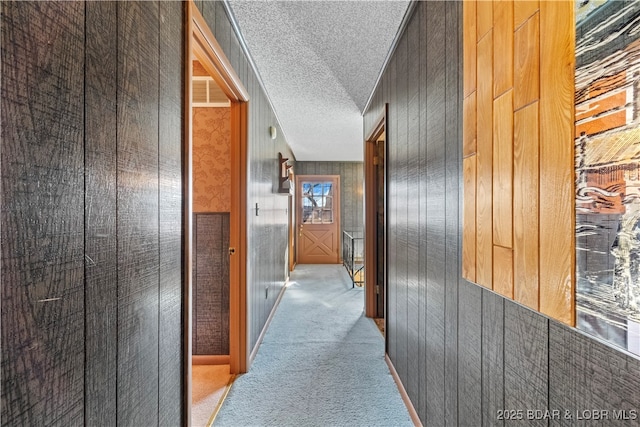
<point x="318" y="219"/>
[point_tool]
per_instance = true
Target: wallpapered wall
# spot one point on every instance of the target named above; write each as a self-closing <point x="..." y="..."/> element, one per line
<point x="211" y="160"/>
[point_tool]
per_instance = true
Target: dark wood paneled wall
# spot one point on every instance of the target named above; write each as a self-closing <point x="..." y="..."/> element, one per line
<point x="463" y="352"/>
<point x="351" y="189"/>
<point x="91" y="213"/>
<point x="267" y="232"/>
<point x="211" y="284"/>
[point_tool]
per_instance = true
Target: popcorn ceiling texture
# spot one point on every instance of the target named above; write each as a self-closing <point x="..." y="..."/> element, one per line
<point x="319" y="61"/>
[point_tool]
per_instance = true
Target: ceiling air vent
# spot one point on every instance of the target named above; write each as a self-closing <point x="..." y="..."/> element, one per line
<point x="206" y="93"/>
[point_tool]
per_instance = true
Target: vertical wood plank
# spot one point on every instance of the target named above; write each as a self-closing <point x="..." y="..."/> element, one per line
<point x="413" y="187"/>
<point x="401" y="211"/>
<point x="503" y="170"/>
<point x="101" y="273"/>
<point x="392" y="319"/>
<point x="492" y="358"/>
<point x="503" y="271"/>
<point x="469" y="219"/>
<point x="170" y="357"/>
<point x="526" y="85"/>
<point x="209" y="11"/>
<point x="436" y="199"/>
<point x="557" y="253"/>
<point x="469" y="126"/>
<point x="421" y="406"/>
<point x="470" y="355"/>
<point x="42" y="213"/>
<point x="523" y="10"/>
<point x="484" y="21"/>
<point x="470" y="47"/>
<point x="453" y="150"/>
<point x="526" y="364"/>
<point x="502" y="46"/>
<point x="484" y="165"/>
<point x="585" y="373"/>
<point x="525" y="206"/>
<point x="138" y="213"/>
<point x="223" y="32"/>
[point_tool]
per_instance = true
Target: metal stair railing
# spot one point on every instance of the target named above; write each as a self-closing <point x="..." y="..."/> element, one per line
<point x="353" y="256"/>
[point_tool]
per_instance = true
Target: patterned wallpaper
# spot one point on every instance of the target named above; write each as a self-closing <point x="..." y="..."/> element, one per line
<point x="211" y="160"/>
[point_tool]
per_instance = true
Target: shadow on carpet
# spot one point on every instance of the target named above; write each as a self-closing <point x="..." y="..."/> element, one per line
<point x="321" y="362"/>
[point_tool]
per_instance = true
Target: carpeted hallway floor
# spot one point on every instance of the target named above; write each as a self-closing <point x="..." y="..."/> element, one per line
<point x="321" y="362"/>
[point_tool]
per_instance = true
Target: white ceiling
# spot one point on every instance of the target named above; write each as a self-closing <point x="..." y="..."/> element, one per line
<point x="319" y="61"/>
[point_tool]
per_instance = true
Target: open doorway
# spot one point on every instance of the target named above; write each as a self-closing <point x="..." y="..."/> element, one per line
<point x="375" y="220"/>
<point x="215" y="162"/>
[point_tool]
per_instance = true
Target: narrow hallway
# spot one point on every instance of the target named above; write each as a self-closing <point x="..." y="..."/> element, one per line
<point x="321" y="362"/>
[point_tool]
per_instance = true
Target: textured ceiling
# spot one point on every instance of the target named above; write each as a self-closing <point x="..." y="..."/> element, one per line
<point x="319" y="61"/>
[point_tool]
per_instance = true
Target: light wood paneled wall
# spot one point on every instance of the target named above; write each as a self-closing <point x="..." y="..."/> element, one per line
<point x="518" y="155"/>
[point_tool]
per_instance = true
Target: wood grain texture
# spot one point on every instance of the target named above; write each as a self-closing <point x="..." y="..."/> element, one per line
<point x="392" y="165"/>
<point x="223" y="31"/>
<point x="401" y="211"/>
<point x="503" y="170"/>
<point x="492" y="358"/>
<point x="101" y="271"/>
<point x="469" y="219"/>
<point x="421" y="401"/>
<point x="484" y="21"/>
<point x="470" y="354"/>
<point x="503" y="46"/>
<point x="436" y="199"/>
<point x="42" y="213"/>
<point x="138" y="239"/>
<point x="525" y="361"/>
<point x="209" y="11"/>
<point x="556" y="161"/>
<point x="170" y="357"/>
<point x="526" y="79"/>
<point x="413" y="205"/>
<point x="525" y="206"/>
<point x="453" y="212"/>
<point x="503" y="271"/>
<point x="586" y="374"/>
<point x="469" y="127"/>
<point x="523" y="10"/>
<point x="484" y="163"/>
<point x="470" y="47"/>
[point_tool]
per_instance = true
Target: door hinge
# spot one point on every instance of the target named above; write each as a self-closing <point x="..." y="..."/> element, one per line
<point x="378" y="289"/>
<point x="376" y="160"/>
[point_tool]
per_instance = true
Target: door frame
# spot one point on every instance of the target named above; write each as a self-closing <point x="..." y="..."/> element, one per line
<point x="298" y="207"/>
<point x="200" y="40"/>
<point x="370" y="207"/>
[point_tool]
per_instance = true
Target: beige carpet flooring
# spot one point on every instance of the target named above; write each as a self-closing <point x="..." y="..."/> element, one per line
<point x="209" y="383"/>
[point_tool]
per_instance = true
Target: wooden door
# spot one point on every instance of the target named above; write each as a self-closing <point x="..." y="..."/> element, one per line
<point x="318" y="219"/>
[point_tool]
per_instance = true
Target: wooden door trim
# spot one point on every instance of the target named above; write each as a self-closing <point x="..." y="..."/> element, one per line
<point x="370" y="203"/>
<point x="298" y="207"/>
<point x="200" y="40"/>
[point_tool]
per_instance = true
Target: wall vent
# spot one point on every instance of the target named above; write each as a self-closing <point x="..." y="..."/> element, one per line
<point x="206" y="93"/>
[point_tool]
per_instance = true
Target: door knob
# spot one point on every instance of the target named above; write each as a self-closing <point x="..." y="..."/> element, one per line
<point x="232" y="251"/>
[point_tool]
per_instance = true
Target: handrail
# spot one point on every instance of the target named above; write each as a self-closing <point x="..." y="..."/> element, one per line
<point x="353" y="257"/>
